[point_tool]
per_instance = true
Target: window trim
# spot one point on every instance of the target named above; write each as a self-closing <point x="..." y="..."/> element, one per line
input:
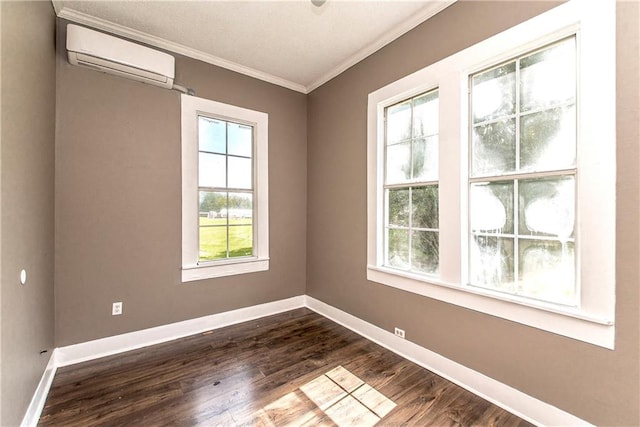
<point x="594" y="26"/>
<point x="192" y="270"/>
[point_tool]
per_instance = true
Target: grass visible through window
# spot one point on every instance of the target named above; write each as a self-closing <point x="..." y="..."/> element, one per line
<point x="213" y="238"/>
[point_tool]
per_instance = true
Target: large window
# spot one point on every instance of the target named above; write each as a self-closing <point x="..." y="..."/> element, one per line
<point x="225" y="189"/>
<point x="501" y="198"/>
<point x="523" y="175"/>
<point x="411" y="184"/>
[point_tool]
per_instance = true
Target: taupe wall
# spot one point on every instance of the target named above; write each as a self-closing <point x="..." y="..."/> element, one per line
<point x="28" y="117"/>
<point x="118" y="200"/>
<point x="593" y="383"/>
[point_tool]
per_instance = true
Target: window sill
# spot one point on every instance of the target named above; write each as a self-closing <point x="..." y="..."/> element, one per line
<point x="228" y="268"/>
<point x="566" y="321"/>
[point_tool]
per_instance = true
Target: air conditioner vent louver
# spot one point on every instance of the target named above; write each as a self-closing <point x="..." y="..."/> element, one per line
<point x="102" y="52"/>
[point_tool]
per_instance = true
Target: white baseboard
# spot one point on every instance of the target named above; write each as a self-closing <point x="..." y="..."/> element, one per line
<point x="40" y="396"/>
<point x="514" y="401"/>
<point x="89" y="350"/>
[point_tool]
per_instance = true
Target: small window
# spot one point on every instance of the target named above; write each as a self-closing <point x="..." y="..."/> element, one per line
<point x="225" y="189"/>
<point x="411" y="184"/>
<point x="522" y="195"/>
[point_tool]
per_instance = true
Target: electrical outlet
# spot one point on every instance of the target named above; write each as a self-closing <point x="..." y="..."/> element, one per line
<point x="116" y="309"/>
<point x="399" y="332"/>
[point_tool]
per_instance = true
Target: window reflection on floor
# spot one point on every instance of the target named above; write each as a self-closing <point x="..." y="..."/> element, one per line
<point x="337" y="396"/>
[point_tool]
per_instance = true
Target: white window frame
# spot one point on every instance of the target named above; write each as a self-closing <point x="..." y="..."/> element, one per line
<point x="592" y="320"/>
<point x="192" y="269"/>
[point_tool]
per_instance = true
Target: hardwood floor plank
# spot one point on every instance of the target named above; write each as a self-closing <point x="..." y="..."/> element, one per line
<point x="291" y="369"/>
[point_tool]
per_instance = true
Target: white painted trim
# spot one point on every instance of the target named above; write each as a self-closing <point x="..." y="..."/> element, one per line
<point x="508" y="398"/>
<point x="90" y="350"/>
<point x="192" y="106"/>
<point x="139" y="36"/>
<point x="85" y="19"/>
<point x="421" y="16"/>
<point x="512" y="400"/>
<point x="593" y="319"/>
<point x="32" y="416"/>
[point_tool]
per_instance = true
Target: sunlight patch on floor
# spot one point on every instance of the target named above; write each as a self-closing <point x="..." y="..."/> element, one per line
<point x="338" y="396"/>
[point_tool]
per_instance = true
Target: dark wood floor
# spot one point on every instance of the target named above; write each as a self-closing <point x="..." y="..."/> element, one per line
<point x="295" y="368"/>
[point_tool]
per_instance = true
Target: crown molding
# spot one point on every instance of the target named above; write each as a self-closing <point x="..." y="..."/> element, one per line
<point x="120" y="30"/>
<point x="430" y="10"/>
<point x="139" y="36"/>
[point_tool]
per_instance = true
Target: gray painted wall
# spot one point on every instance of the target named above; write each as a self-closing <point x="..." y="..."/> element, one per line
<point x="593" y="383"/>
<point x="118" y="200"/>
<point x="28" y="117"/>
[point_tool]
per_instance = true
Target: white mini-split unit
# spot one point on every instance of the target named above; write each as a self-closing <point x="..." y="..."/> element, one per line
<point x="102" y="52"/>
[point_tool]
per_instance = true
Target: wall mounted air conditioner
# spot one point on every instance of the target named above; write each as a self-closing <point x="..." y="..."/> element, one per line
<point x="112" y="55"/>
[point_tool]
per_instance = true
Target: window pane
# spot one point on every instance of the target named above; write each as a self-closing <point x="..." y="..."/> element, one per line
<point x="548" y="140"/>
<point x="398" y="248"/>
<point x="398" y="207"/>
<point x="212" y="170"/>
<point x="491" y="263"/>
<point x="491" y="206"/>
<point x="494" y="93"/>
<point x="424" y="204"/>
<point x="240" y="139"/>
<point x="424" y="251"/>
<point x="425" y="159"/>
<point x="240" y="241"/>
<point x="547" y="207"/>
<point x="212" y="135"/>
<point x="212" y="206"/>
<point x="494" y="148"/>
<point x="240" y="208"/>
<point x="547" y="271"/>
<point x="425" y="115"/>
<point x="548" y="77"/>
<point x="213" y="243"/>
<point x="240" y="173"/>
<point x="399" y="122"/>
<point x="398" y="163"/>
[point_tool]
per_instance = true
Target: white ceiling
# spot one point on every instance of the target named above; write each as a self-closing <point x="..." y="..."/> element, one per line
<point x="290" y="43"/>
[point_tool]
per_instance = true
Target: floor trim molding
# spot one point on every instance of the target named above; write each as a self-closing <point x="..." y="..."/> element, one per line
<point x="39" y="398"/>
<point x="89" y="350"/>
<point x="526" y="407"/>
<point x="515" y="401"/>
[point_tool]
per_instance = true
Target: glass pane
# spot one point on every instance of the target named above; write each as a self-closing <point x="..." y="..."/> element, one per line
<point x="240" y="241"/>
<point x="212" y="207"/>
<point x="547" y="271"/>
<point x="398" y="163"/>
<point x="493" y="93"/>
<point x="548" y="140"/>
<point x="491" y="207"/>
<point x="494" y="148"/>
<point x="398" y="248"/>
<point x="547" y="207"/>
<point x="240" y="139"/>
<point x="424" y="207"/>
<point x="212" y="135"/>
<point x="548" y="77"/>
<point x="240" y="208"/>
<point x="424" y="251"/>
<point x="240" y="173"/>
<point x="425" y="114"/>
<point x="399" y="122"/>
<point x="491" y="263"/>
<point x="398" y="207"/>
<point x="425" y="159"/>
<point x="213" y="243"/>
<point x="212" y="170"/>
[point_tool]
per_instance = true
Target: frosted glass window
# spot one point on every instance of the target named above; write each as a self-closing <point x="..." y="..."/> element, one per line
<point x="522" y="190"/>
